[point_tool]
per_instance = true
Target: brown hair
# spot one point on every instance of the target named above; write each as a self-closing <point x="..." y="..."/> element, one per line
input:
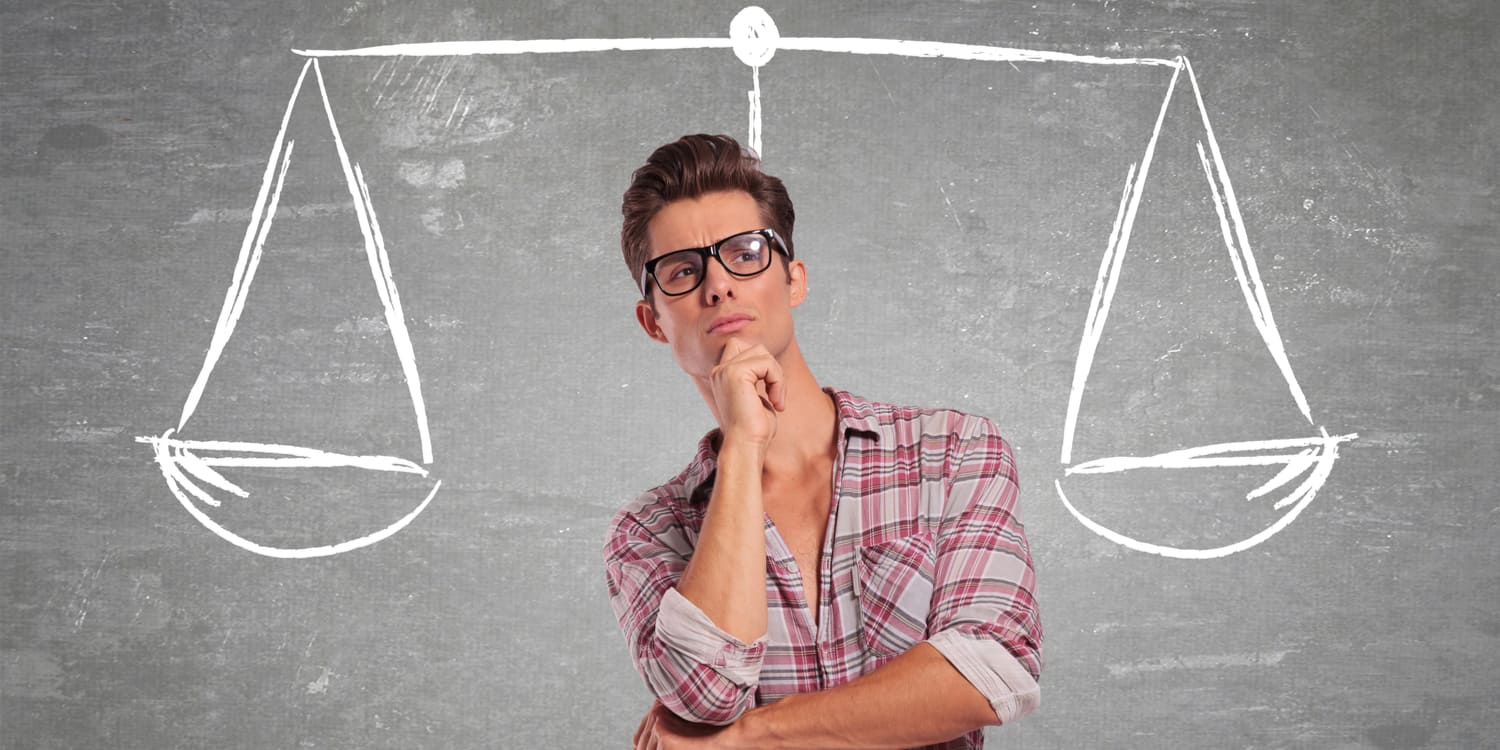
<point x="687" y="168"/>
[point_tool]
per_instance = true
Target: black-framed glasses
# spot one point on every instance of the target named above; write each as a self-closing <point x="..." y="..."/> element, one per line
<point x="743" y="255"/>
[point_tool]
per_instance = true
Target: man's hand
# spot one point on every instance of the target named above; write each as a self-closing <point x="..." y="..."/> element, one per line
<point x="662" y="730"/>
<point x="747" y="388"/>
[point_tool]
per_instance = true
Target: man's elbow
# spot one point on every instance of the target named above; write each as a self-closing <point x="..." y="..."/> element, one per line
<point x="699" y="692"/>
<point x="715" y="708"/>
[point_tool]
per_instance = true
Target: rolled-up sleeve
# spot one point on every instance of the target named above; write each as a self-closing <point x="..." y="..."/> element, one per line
<point x="696" y="669"/>
<point x="983" y="617"/>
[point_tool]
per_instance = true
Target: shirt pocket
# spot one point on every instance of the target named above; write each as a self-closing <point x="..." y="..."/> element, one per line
<point x="894" y="584"/>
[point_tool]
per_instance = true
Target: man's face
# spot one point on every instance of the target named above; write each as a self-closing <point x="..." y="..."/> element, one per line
<point x="697" y="324"/>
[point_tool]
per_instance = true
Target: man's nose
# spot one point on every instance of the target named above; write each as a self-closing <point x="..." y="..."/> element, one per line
<point x="718" y="283"/>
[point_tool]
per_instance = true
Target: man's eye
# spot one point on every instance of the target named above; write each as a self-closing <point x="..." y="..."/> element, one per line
<point x="748" y="251"/>
<point x="682" y="272"/>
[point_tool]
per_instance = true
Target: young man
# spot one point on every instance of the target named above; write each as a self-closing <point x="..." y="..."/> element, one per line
<point x="827" y="571"/>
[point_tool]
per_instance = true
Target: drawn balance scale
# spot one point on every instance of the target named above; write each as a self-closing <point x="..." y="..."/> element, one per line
<point x="200" y="473"/>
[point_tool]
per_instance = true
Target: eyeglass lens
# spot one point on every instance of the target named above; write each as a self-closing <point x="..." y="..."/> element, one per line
<point x="743" y="255"/>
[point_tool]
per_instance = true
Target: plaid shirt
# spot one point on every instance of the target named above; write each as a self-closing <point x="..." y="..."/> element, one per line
<point x="922" y="545"/>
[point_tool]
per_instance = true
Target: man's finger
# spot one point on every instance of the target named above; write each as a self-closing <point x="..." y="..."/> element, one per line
<point x="647" y="740"/>
<point x="643" y="730"/>
<point x="776" y="394"/>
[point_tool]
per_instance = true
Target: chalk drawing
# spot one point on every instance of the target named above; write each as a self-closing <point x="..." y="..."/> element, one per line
<point x="181" y="461"/>
<point x="755" y="39"/>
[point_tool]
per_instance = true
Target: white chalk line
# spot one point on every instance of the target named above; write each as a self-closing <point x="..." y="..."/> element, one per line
<point x="272" y="455"/>
<point x="396" y="320"/>
<point x="1221" y="454"/>
<point x="457" y="100"/>
<point x="954" y="51"/>
<point x="848" y="45"/>
<point x="755" y="121"/>
<point x="379" y="260"/>
<point x="448" y="66"/>
<point x="249" y="257"/>
<point x="1298" y="498"/>
<point x="520" y="47"/>
<point x="1114" y="258"/>
<point x="170" y="459"/>
<point x="1087" y="343"/>
<point x="1310" y="484"/>
<point x="1296" y="466"/>
<point x="195" y="465"/>
<point x="1249" y="277"/>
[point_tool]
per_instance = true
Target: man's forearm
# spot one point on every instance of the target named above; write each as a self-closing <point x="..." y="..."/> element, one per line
<point x="726" y="577"/>
<point x="917" y="698"/>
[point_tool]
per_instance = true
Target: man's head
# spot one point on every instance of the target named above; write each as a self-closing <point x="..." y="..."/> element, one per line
<point x="698" y="211"/>
<point x="690" y="167"/>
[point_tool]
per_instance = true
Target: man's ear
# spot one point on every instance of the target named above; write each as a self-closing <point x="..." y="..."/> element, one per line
<point x="645" y="314"/>
<point x="796" y="272"/>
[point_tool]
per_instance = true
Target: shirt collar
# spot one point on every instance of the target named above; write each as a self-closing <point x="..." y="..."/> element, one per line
<point x="856" y="415"/>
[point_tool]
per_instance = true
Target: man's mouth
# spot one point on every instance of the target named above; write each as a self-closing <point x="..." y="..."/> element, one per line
<point x="729" y="324"/>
